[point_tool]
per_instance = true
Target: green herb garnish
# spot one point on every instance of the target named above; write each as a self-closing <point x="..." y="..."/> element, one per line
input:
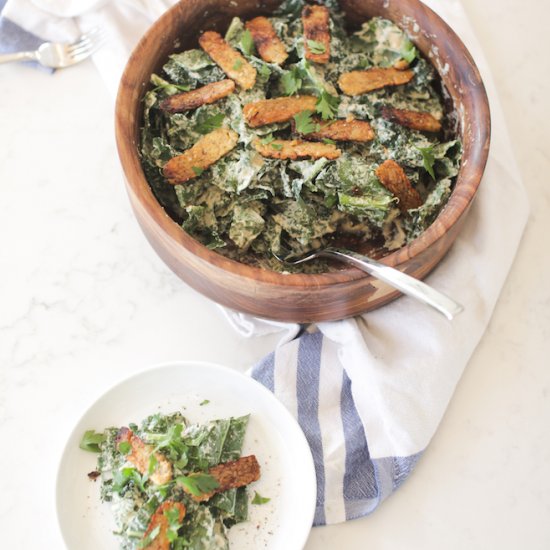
<point x="91" y="441"/>
<point x="124" y="447"/>
<point x="237" y="65"/>
<point x="304" y="123"/>
<point x="428" y="159"/>
<point x="409" y="52"/>
<point x="174" y="524"/>
<point x="267" y="139"/>
<point x="198" y="170"/>
<point x="122" y="477"/>
<point x="292" y="81"/>
<point x="258" y="499"/>
<point x="198" y="484"/>
<point x="316" y="47"/>
<point x="327" y="105"/>
<point x="277" y="146"/>
<point x="204" y="402"/>
<point x="247" y="42"/>
<point x="207" y="124"/>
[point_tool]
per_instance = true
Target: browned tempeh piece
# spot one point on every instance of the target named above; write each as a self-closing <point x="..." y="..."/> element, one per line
<point x="342" y="130"/>
<point x="280" y="109"/>
<point x="160" y="519"/>
<point x="315" y="20"/>
<point x="231" y="62"/>
<point x="417" y="120"/>
<point x="296" y="149"/>
<point x="140" y="456"/>
<point x="268" y="44"/>
<point x="394" y="179"/>
<point x="200" y="96"/>
<point x="231" y="475"/>
<point x="209" y="149"/>
<point x="361" y="82"/>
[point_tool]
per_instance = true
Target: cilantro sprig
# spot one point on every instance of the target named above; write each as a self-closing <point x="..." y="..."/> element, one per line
<point x="125" y="475"/>
<point x="198" y="484"/>
<point x="316" y="47"/>
<point x="304" y="123"/>
<point x="206" y="124"/>
<point x="409" y="52"/>
<point x="91" y="441"/>
<point x="428" y="159"/>
<point x="174" y="524"/>
<point x="124" y="447"/>
<point x="259" y="499"/>
<point x="267" y="139"/>
<point x="327" y="105"/>
<point x="292" y="80"/>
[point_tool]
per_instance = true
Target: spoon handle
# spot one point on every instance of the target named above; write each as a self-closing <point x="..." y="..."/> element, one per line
<point x="401" y="281"/>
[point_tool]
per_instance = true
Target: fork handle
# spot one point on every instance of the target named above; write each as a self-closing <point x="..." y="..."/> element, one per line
<point x="18" y="56"/>
<point x="399" y="280"/>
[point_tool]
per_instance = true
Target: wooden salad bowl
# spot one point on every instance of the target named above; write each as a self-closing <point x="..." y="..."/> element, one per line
<point x="300" y="297"/>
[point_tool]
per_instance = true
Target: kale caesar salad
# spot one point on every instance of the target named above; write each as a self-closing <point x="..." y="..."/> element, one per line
<point x="174" y="485"/>
<point x="289" y="133"/>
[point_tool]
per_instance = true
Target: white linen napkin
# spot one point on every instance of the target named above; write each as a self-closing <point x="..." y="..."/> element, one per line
<point x="368" y="392"/>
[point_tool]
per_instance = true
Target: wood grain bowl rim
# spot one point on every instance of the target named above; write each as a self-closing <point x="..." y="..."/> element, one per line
<point x="475" y="150"/>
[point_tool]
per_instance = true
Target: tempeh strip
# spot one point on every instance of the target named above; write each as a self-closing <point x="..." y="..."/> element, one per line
<point x="295" y="149"/>
<point x="394" y="179"/>
<point x="140" y="456"/>
<point x="231" y="475"/>
<point x="231" y="62"/>
<point x="280" y="109"/>
<point x="416" y="120"/>
<point x="268" y="44"/>
<point x="209" y="149"/>
<point x="342" y="130"/>
<point x="160" y="519"/>
<point x="200" y="96"/>
<point x="316" y="20"/>
<point x="361" y="82"/>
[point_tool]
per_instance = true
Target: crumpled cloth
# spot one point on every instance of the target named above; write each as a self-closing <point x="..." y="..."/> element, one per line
<point x="368" y="392"/>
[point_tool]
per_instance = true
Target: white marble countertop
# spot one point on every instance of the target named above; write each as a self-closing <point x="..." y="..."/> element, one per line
<point x="84" y="301"/>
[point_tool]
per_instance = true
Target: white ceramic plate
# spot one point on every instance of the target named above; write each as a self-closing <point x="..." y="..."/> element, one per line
<point x="287" y="470"/>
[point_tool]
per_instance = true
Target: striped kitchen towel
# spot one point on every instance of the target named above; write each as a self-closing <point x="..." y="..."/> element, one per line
<point x="308" y="378"/>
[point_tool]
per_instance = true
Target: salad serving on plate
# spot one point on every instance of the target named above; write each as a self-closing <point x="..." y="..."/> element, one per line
<point x="172" y="484"/>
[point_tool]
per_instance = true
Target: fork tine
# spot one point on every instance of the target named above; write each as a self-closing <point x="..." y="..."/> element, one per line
<point x="89" y="35"/>
<point x="80" y="56"/>
<point x="88" y="44"/>
<point x="86" y="40"/>
<point x="80" y="48"/>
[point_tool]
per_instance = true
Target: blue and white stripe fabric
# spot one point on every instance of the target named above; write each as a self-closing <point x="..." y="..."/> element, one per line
<point x="307" y="376"/>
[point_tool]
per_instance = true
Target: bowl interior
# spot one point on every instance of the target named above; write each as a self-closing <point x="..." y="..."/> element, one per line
<point x="178" y="29"/>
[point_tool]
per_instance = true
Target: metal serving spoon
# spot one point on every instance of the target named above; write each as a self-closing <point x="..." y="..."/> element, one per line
<point x="401" y="281"/>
